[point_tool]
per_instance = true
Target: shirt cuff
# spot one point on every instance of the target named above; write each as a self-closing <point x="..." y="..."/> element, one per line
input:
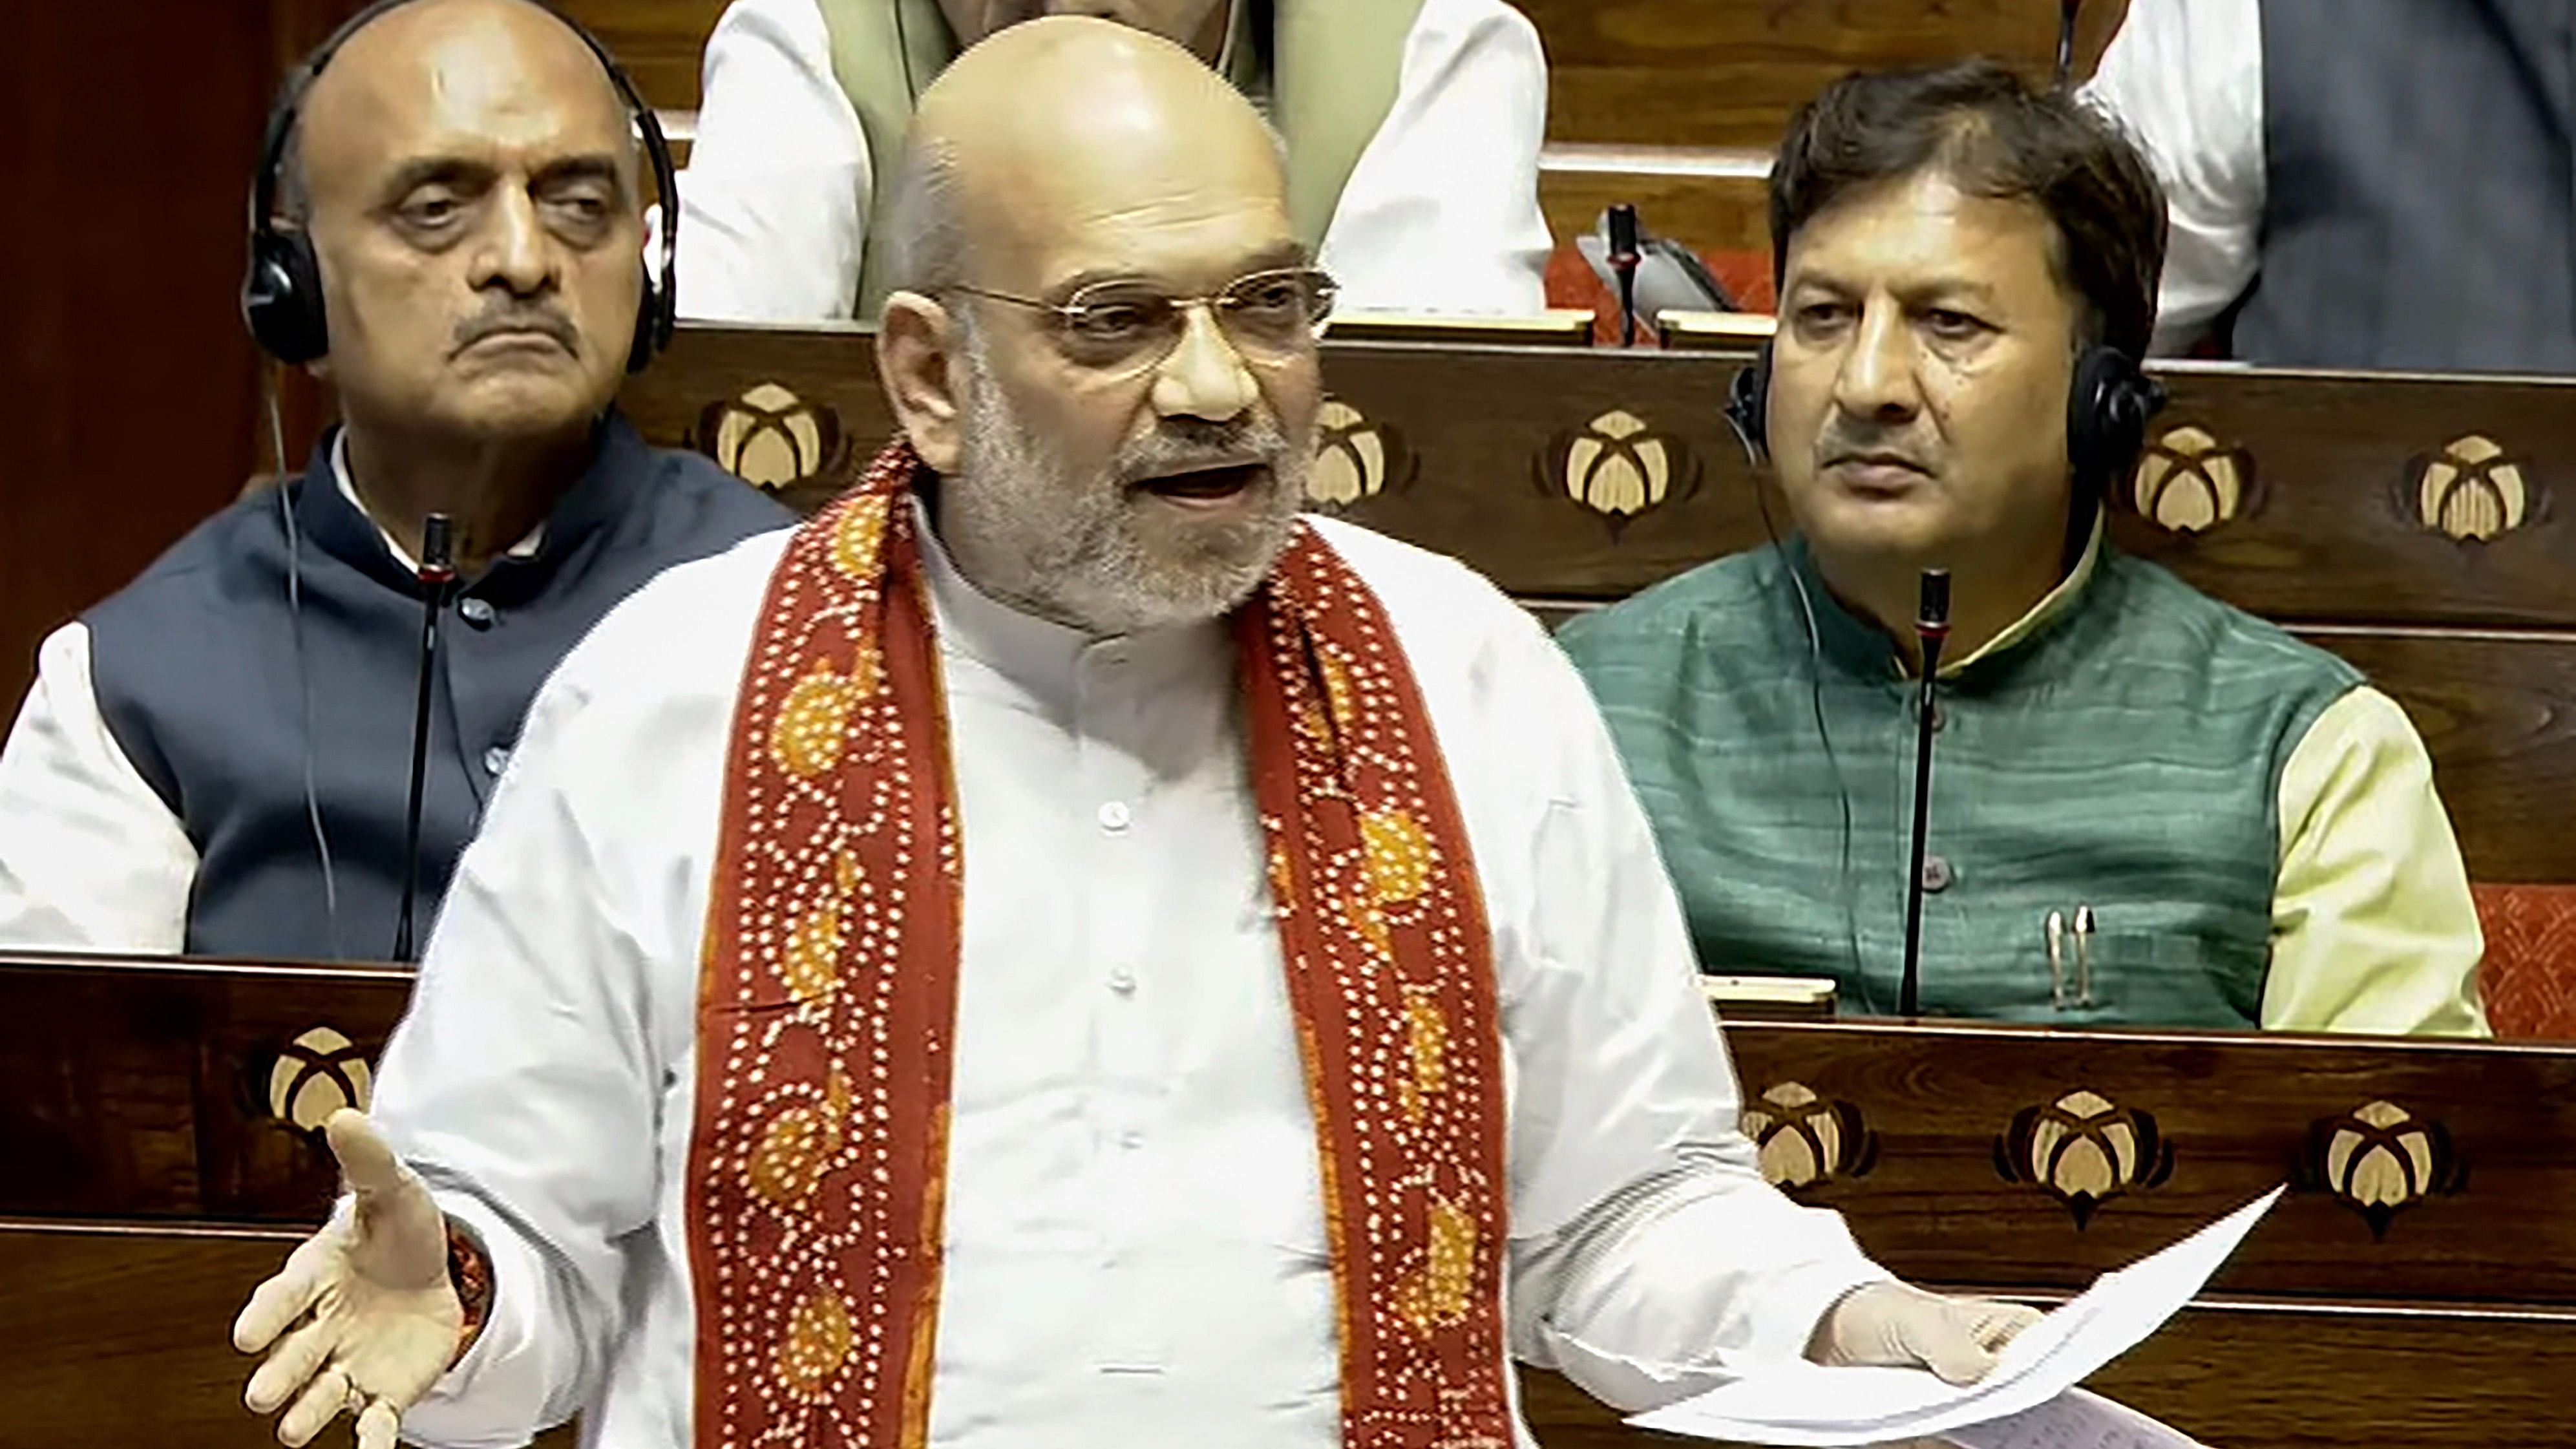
<point x="495" y="1396"/>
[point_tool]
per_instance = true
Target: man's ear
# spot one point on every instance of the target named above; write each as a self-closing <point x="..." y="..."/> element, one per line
<point x="918" y="366"/>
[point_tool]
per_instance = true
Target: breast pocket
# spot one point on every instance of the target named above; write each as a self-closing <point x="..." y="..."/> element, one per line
<point x="2172" y="977"/>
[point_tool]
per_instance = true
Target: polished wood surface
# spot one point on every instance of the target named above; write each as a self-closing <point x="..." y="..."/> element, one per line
<point x="1661" y="72"/>
<point x="1730" y="72"/>
<point x="2411" y="524"/>
<point x="118" y="1338"/>
<point x="2206" y="1122"/>
<point x="2448" y="1312"/>
<point x="1713" y="215"/>
<point x="1657" y="74"/>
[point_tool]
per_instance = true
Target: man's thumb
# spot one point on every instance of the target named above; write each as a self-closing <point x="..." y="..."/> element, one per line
<point x="365" y="1161"/>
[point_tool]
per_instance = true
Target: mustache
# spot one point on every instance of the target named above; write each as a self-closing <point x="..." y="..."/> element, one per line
<point x="1185" y="446"/>
<point x="1843" y="446"/>
<point x="497" y="320"/>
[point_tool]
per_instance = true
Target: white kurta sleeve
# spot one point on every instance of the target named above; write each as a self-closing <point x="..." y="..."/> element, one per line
<point x="1441" y="214"/>
<point x="774" y="202"/>
<point x="1648" y="1253"/>
<point x="91" y="859"/>
<point x="2184" y="78"/>
<point x="523" y="1085"/>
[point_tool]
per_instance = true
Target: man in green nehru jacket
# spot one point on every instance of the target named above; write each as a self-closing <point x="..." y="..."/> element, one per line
<point x="2147" y="808"/>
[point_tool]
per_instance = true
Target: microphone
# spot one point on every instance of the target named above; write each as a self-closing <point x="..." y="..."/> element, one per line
<point x="1931" y="627"/>
<point x="437" y="571"/>
<point x="1625" y="254"/>
<point x="2066" y="13"/>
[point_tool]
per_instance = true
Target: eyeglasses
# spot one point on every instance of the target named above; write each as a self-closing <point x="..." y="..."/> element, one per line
<point x="1122" y="327"/>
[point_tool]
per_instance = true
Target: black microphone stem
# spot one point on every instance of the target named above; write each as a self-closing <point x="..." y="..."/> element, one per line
<point x="1931" y="627"/>
<point x="1626" y="254"/>
<point x="437" y="571"/>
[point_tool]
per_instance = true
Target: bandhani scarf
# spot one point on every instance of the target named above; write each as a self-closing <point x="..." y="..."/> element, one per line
<point x="828" y="1001"/>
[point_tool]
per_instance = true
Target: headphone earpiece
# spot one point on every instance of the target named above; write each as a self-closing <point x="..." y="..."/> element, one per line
<point x="1748" y="406"/>
<point x="2107" y="413"/>
<point x="282" y="297"/>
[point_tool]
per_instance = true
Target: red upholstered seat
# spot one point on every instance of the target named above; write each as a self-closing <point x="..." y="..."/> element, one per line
<point x="2529" y="979"/>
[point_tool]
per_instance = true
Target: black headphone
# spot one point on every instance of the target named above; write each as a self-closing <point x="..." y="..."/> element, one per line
<point x="281" y="295"/>
<point x="2107" y="412"/>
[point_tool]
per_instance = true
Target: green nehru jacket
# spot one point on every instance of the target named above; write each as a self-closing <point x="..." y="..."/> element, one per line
<point x="2123" y="748"/>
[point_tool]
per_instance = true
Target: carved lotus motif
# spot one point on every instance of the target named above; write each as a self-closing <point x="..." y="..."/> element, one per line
<point x="2472" y="491"/>
<point x="771" y="438"/>
<point x="1804" y="1140"/>
<point x="1621" y="469"/>
<point x="2380" y="1160"/>
<point x="2084" y="1150"/>
<point x="316" y="1075"/>
<point x="1355" y="459"/>
<point x="2187" y="483"/>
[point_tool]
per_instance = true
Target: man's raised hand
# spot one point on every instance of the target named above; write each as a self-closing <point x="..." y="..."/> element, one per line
<point x="362" y="1318"/>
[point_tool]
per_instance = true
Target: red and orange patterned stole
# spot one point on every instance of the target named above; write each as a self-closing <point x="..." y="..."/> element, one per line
<point x="827" y="1005"/>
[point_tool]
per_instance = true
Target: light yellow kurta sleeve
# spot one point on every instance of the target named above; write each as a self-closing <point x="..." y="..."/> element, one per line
<point x="2373" y="928"/>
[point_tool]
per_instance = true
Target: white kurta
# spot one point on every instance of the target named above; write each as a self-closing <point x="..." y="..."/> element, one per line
<point x="1440" y="215"/>
<point x="1135" y="1240"/>
<point x="2184" y="78"/>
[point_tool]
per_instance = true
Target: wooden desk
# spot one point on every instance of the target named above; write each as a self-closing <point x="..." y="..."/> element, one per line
<point x="147" y="1181"/>
<point x="2411" y="524"/>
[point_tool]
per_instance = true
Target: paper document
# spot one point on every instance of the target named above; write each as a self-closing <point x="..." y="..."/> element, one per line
<point x="1800" y="1404"/>
<point x="2076" y="1419"/>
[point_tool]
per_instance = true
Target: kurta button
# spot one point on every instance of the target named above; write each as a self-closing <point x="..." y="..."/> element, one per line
<point x="1114" y="817"/>
<point x="1937" y="874"/>
<point x="476" y="612"/>
<point x="1123" y="981"/>
<point x="495" y="760"/>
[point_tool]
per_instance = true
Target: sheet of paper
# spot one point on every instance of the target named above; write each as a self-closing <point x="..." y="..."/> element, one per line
<point x="1808" y="1406"/>
<point x="2076" y="1419"/>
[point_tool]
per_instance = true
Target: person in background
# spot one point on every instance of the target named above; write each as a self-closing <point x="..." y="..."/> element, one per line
<point x="1412" y="130"/>
<point x="1062" y="951"/>
<point x="2359" y="183"/>
<point x="2150" y="808"/>
<point x="216" y="760"/>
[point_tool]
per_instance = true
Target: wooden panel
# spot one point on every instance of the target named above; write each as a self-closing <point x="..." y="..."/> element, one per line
<point x="2235" y="1113"/>
<point x="2324" y="469"/>
<point x="1730" y="72"/>
<point x="1710" y="214"/>
<point x="139" y="1090"/>
<point x="658" y="42"/>
<point x="82" y="1368"/>
<point x="2450" y="1322"/>
<point x="2305" y="491"/>
<point x="160" y="1051"/>
<point x="2332" y="519"/>
<point x="2268" y="1378"/>
<point x="1665" y="72"/>
<point x="117" y="1337"/>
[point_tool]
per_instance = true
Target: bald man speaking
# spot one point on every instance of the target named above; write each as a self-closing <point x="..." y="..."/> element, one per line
<point x="1062" y="950"/>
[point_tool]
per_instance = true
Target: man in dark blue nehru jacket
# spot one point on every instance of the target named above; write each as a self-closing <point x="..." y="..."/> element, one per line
<point x="448" y="220"/>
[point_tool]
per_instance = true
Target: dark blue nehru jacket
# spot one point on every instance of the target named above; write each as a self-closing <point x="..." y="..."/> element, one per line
<point x="201" y="667"/>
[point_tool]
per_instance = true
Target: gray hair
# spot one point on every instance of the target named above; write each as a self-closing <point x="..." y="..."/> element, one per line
<point x="925" y="230"/>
